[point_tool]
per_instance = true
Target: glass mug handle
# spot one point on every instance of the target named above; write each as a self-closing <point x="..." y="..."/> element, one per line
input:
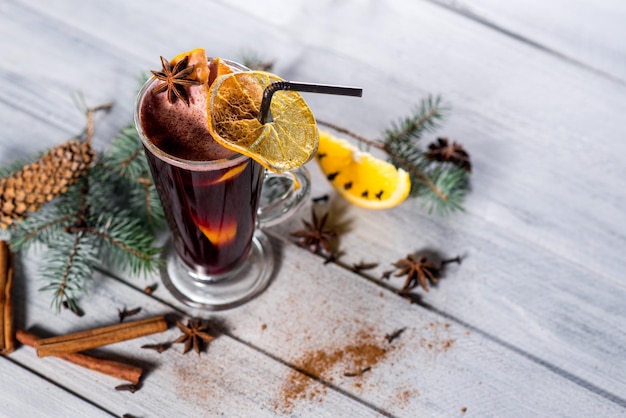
<point x="282" y="195"/>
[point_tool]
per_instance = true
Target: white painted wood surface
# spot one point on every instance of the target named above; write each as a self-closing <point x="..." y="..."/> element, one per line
<point x="589" y="32"/>
<point x="19" y="386"/>
<point x="533" y="323"/>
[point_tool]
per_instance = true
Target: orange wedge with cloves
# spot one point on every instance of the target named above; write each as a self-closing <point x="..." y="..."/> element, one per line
<point x="359" y="177"/>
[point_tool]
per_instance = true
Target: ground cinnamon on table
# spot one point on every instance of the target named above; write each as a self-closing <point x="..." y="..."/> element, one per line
<point x="356" y="360"/>
<point x="7" y="339"/>
<point x="352" y="359"/>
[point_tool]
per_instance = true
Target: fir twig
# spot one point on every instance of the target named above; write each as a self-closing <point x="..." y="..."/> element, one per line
<point x="126" y="159"/>
<point x="443" y="185"/>
<point x="38" y="229"/>
<point x="89" y="129"/>
<point x="128" y="245"/>
<point x="65" y="278"/>
<point x="67" y="267"/>
<point x="426" y="118"/>
<point x="110" y="215"/>
<point x="253" y="61"/>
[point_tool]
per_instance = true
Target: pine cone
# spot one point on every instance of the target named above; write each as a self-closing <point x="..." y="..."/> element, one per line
<point x="43" y="180"/>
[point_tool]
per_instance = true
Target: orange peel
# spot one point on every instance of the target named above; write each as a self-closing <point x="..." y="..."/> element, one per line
<point x="286" y="142"/>
<point x="359" y="177"/>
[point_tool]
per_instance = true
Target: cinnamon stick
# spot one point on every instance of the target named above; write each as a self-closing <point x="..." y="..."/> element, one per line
<point x="97" y="337"/>
<point x="112" y="368"/>
<point x="7" y="342"/>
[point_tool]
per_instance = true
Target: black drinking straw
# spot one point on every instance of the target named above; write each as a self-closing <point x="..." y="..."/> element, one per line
<point x="303" y="87"/>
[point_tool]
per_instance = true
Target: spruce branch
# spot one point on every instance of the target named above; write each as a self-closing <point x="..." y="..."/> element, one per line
<point x="125" y="157"/>
<point x="126" y="161"/>
<point x="426" y="118"/>
<point x="68" y="267"/>
<point x="110" y="215"/>
<point x="442" y="185"/>
<point x="128" y="245"/>
<point x="12" y="167"/>
<point x="254" y="61"/>
<point x="40" y="227"/>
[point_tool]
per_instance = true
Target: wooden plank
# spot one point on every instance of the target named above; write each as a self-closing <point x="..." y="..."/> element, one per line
<point x="436" y="366"/>
<point x="544" y="135"/>
<point x="511" y="104"/>
<point x="585" y="31"/>
<point x="318" y="317"/>
<point x="523" y="151"/>
<point x="305" y="68"/>
<point x="44" y="398"/>
<point x="230" y="376"/>
<point x="573" y="319"/>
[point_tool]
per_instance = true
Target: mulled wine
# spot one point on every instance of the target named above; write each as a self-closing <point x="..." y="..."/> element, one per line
<point x="211" y="213"/>
<point x="210" y="194"/>
<point x="217" y="257"/>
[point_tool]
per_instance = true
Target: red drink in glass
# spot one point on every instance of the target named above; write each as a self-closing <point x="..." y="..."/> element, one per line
<point x="211" y="213"/>
<point x="211" y="193"/>
<point x="217" y="257"/>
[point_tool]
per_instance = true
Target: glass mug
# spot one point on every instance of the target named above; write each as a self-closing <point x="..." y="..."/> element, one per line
<point x="218" y="257"/>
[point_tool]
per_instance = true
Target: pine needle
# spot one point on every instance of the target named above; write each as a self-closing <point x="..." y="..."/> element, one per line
<point x="111" y="216"/>
<point x="442" y="186"/>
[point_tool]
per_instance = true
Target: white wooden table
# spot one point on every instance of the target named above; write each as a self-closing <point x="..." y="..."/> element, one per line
<point x="532" y="323"/>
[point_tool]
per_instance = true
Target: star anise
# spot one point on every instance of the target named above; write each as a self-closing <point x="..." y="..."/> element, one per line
<point x="175" y="80"/>
<point x="194" y="334"/>
<point x="316" y="235"/>
<point x="418" y="271"/>
<point x="454" y="153"/>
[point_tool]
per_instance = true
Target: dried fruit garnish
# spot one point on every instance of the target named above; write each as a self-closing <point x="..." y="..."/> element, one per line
<point x="286" y="142"/>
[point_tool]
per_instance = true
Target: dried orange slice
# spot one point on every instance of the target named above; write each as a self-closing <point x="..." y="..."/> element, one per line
<point x="197" y="57"/>
<point x="360" y="177"/>
<point x="217" y="67"/>
<point x="285" y="143"/>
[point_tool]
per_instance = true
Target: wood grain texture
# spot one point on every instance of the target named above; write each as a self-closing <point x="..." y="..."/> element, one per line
<point x="546" y="307"/>
<point x="543" y="197"/>
<point x="431" y="357"/>
<point x="311" y="308"/>
<point x="44" y="398"/>
<point x="229" y="377"/>
<point x="535" y="308"/>
<point x="585" y="31"/>
<point x="545" y="135"/>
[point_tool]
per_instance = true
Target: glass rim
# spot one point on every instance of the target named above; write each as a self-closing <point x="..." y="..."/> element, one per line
<point x="234" y="159"/>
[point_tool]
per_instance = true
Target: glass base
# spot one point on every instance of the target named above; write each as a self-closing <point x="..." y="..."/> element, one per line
<point x="226" y="291"/>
